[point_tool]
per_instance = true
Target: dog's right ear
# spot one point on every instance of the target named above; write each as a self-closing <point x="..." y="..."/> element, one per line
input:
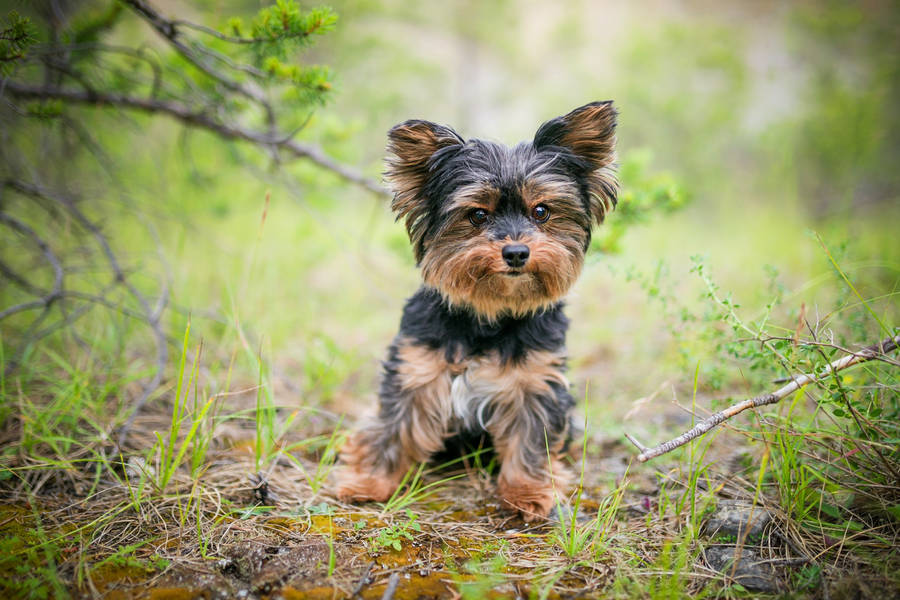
<point x="411" y="146"/>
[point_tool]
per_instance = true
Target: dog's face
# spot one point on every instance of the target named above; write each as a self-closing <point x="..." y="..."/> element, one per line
<point x="503" y="230"/>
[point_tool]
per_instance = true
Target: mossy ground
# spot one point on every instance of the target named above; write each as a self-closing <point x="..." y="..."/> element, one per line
<point x="219" y="536"/>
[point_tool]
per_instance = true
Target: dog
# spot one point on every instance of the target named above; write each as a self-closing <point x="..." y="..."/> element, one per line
<point x="500" y="235"/>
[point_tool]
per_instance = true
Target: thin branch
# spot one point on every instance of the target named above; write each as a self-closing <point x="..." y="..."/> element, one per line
<point x="249" y="69"/>
<point x="55" y="293"/>
<point x="391" y="588"/>
<point x="194" y="118"/>
<point x="856" y="417"/>
<point x="25" y="306"/>
<point x="866" y="354"/>
<point x="35" y="335"/>
<point x="10" y="275"/>
<point x="151" y="316"/>
<point x="41" y="51"/>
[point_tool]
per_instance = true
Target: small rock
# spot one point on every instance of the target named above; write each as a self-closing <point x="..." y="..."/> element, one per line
<point x="737" y="518"/>
<point x="749" y="571"/>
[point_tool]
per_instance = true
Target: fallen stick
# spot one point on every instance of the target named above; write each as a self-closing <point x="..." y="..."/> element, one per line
<point x="363" y="582"/>
<point x="866" y="354"/>
<point x="391" y="587"/>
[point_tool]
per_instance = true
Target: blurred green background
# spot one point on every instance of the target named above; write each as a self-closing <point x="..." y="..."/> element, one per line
<point x="744" y="128"/>
<point x="758" y="150"/>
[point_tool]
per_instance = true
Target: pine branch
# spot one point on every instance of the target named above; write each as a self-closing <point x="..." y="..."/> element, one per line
<point x="231" y="39"/>
<point x="169" y="31"/>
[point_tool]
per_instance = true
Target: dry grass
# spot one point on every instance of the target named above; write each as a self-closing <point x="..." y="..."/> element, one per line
<point x="278" y="534"/>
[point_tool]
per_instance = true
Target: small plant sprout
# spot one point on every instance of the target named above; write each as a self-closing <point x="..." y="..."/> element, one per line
<point x="392" y="536"/>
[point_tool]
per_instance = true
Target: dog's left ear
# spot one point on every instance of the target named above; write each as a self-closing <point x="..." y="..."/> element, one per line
<point x="589" y="135"/>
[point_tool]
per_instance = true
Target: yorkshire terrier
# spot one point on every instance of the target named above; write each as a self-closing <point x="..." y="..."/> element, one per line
<point x="500" y="235"/>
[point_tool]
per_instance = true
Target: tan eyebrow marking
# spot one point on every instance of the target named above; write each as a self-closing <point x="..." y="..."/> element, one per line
<point x="554" y="192"/>
<point x="476" y="195"/>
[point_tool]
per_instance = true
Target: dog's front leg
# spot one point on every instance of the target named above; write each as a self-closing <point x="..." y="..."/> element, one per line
<point x="529" y="425"/>
<point x="411" y="424"/>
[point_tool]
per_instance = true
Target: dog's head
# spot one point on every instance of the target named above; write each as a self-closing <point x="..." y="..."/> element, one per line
<point x="503" y="231"/>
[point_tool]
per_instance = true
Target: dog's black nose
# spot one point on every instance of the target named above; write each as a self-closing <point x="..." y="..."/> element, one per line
<point x="516" y="255"/>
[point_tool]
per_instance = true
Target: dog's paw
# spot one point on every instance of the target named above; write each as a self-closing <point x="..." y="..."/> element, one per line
<point x="354" y="486"/>
<point x="531" y="500"/>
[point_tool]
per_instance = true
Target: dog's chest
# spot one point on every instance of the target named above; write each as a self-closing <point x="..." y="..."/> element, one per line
<point x="466" y="403"/>
<point x="477" y="386"/>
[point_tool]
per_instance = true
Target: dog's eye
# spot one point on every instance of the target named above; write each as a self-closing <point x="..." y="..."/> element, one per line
<point x="540" y="213"/>
<point x="479" y="216"/>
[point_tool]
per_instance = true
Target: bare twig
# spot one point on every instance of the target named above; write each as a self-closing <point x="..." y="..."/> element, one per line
<point x="196" y="118"/>
<point x="55" y="293"/>
<point x="813" y="343"/>
<point x="866" y="354"/>
<point x="363" y="581"/>
<point x="150" y="315"/>
<point x="10" y="275"/>
<point x="391" y="587"/>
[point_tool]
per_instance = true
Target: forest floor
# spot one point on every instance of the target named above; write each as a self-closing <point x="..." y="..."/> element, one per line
<point x="99" y="528"/>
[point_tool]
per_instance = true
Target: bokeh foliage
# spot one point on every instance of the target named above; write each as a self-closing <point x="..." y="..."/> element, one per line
<point x="758" y="153"/>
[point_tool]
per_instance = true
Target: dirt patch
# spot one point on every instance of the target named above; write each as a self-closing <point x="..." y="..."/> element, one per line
<point x="264" y="568"/>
